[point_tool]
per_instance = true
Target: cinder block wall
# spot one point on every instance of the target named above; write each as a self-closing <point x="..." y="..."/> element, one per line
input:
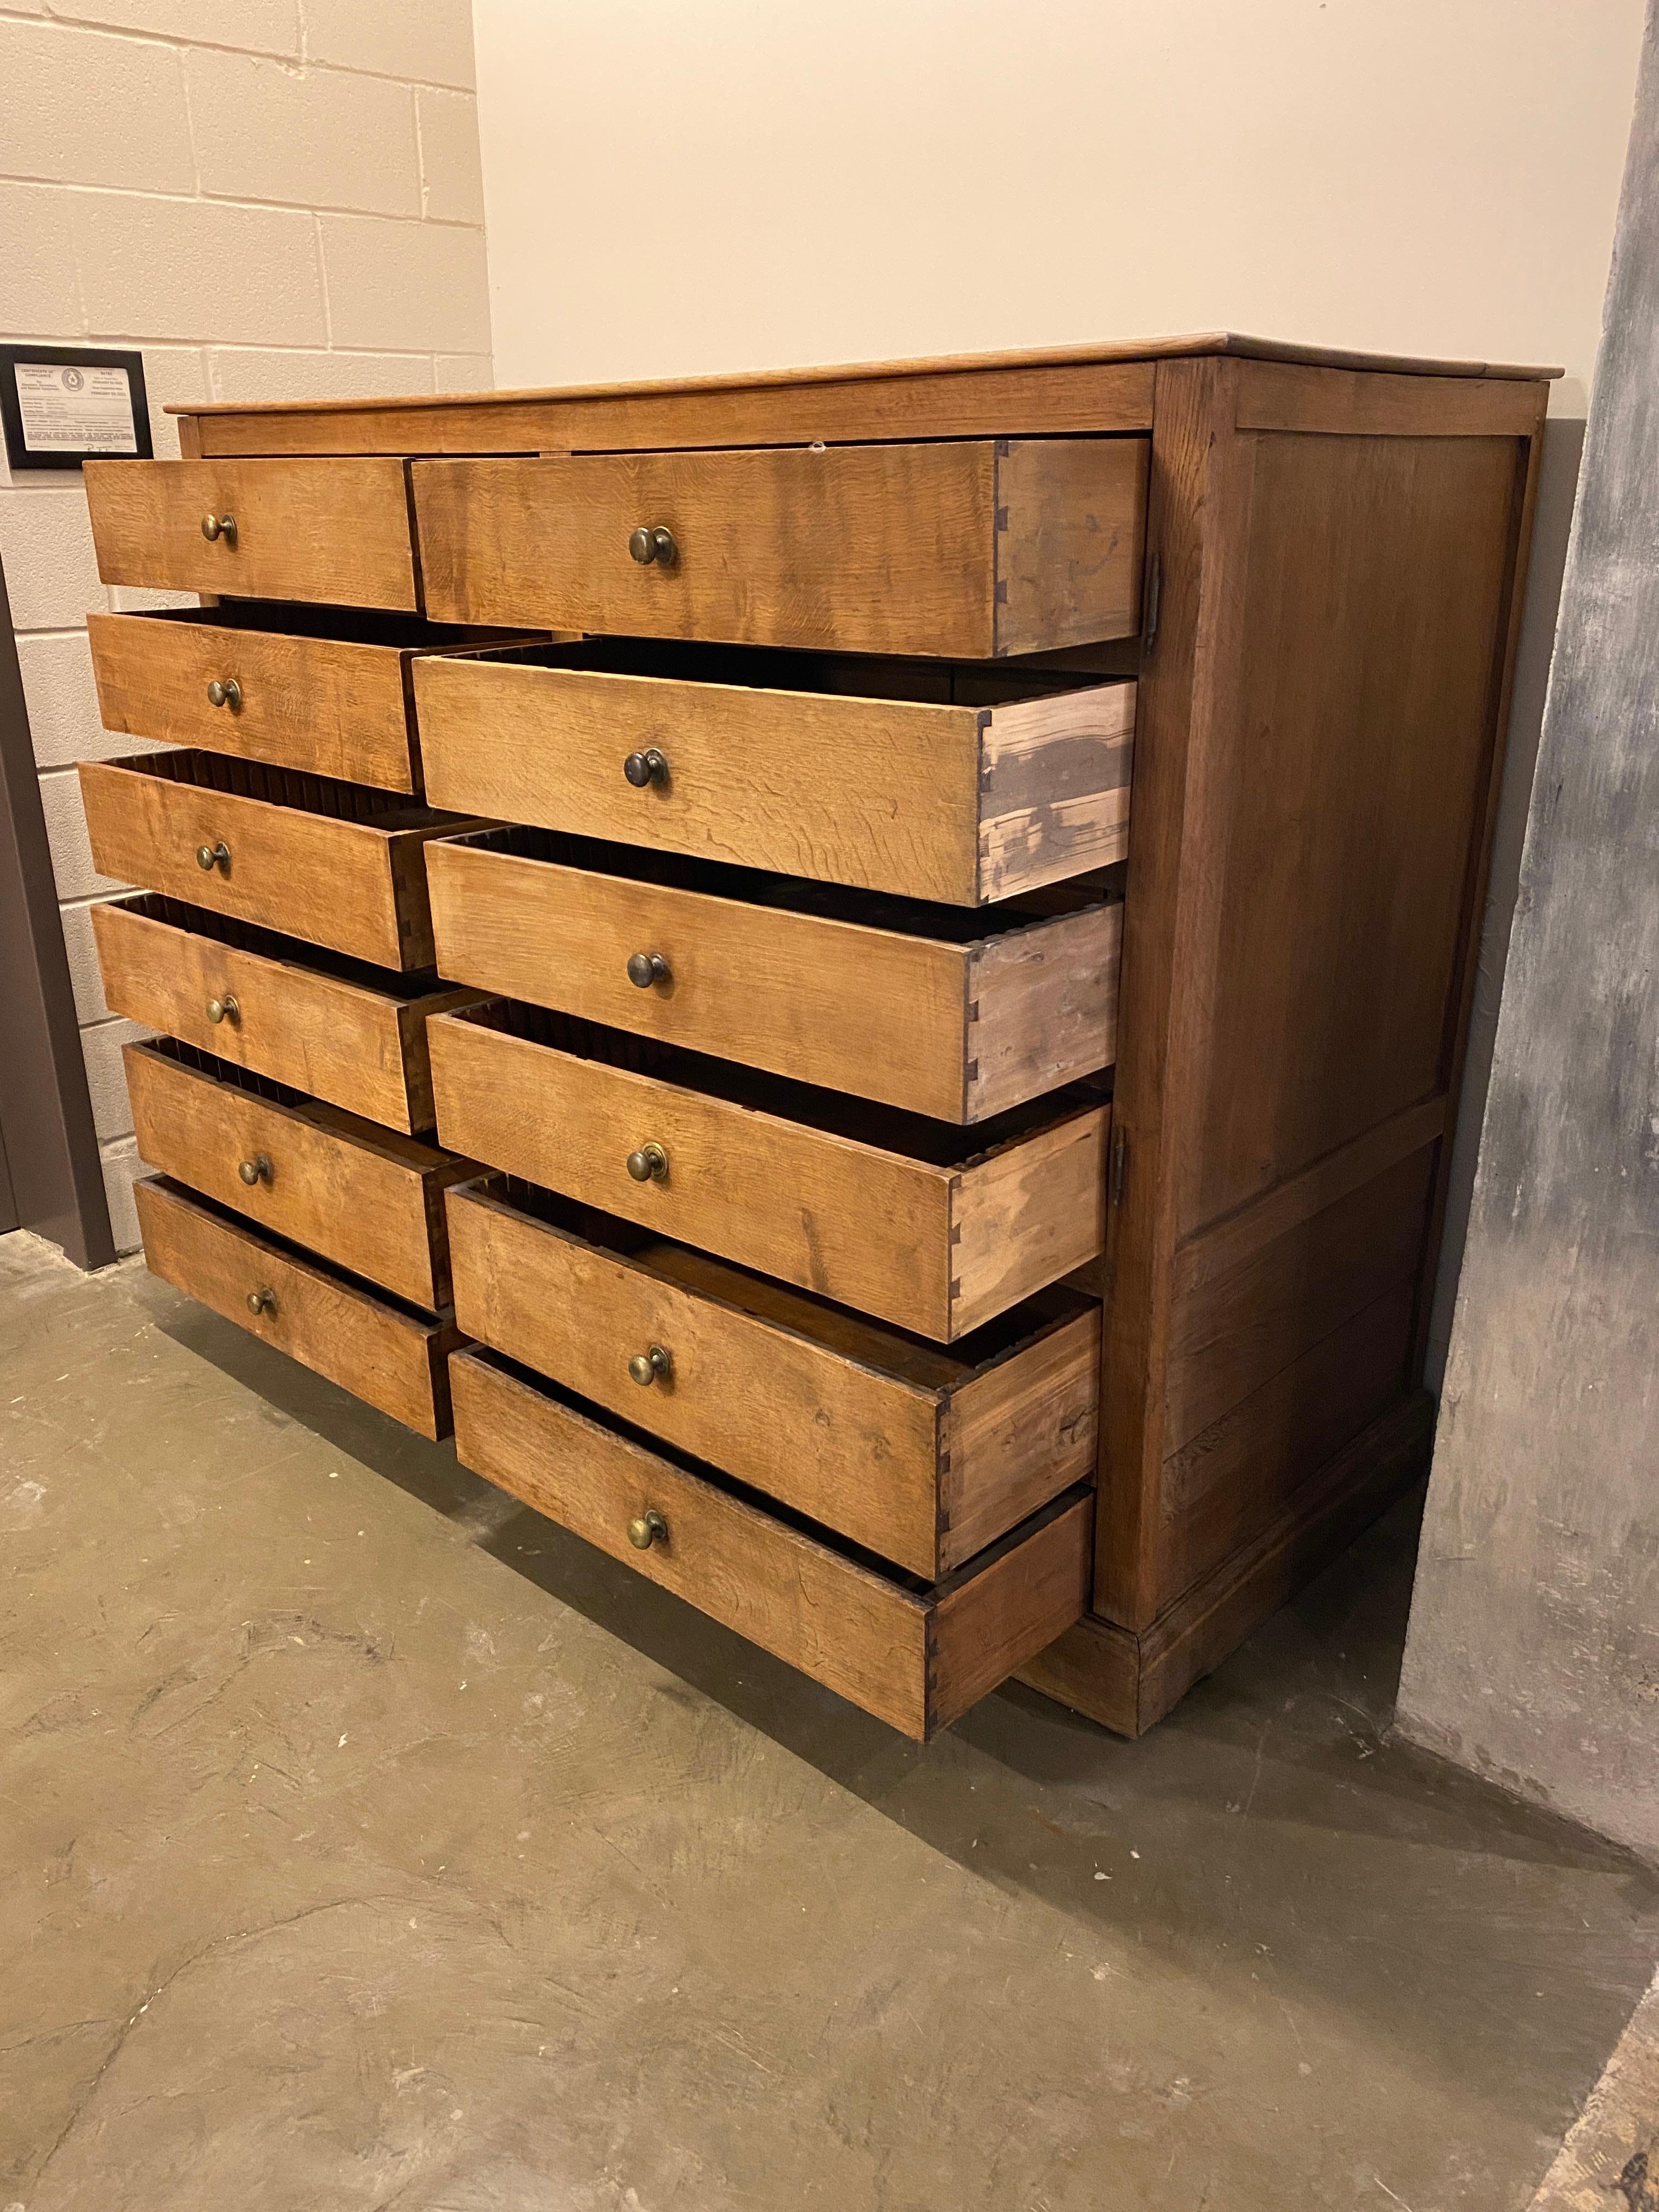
<point x="273" y="199"/>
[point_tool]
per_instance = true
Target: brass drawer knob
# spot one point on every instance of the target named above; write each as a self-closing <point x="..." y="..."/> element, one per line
<point x="648" y="1529"/>
<point x="645" y="969"/>
<point x="649" y="1367"/>
<point x="219" y="525"/>
<point x="262" y="1301"/>
<point x="258" y="1169"/>
<point x="647" y="544"/>
<point x="224" y="1010"/>
<point x="646" y="768"/>
<point x="649" y="1165"/>
<point x="209" y="857"/>
<point x="227" y="694"/>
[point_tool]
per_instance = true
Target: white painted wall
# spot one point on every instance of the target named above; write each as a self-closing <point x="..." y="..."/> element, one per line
<point x="271" y="199"/>
<point x="677" y="187"/>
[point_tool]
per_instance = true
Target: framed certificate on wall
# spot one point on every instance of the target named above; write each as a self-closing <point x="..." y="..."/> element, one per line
<point x="61" y="405"/>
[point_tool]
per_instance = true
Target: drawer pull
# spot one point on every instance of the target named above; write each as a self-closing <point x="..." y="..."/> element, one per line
<point x="646" y="768"/>
<point x="209" y="857"/>
<point x="646" y="545"/>
<point x="645" y="969"/>
<point x="649" y="1165"/>
<point x="262" y="1301"/>
<point x="652" y="1366"/>
<point x="648" y="1529"/>
<point x="258" y="1169"/>
<point x="227" y="694"/>
<point x="224" y="1010"/>
<point x="219" y="525"/>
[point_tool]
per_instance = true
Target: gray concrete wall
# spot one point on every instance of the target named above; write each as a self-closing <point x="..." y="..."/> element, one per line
<point x="1534" y="1649"/>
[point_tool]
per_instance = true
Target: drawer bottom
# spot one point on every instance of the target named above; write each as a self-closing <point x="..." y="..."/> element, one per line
<point x="916" y="1655"/>
<point x="392" y="1355"/>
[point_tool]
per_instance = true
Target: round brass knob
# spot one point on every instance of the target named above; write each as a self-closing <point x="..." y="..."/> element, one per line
<point x="260" y="1302"/>
<point x="649" y="1367"/>
<point x="224" y="1010"/>
<point x="646" y="768"/>
<point x="258" y="1169"/>
<point x="648" y="1529"/>
<point x="209" y="857"/>
<point x="647" y="544"/>
<point x="645" y="969"/>
<point x="219" y="525"/>
<point x="649" y="1165"/>
<point x="227" y="694"/>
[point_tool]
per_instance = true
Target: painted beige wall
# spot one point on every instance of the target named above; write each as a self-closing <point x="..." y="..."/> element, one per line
<point x="271" y="199"/>
<point x="743" y="183"/>
<point x="728" y="184"/>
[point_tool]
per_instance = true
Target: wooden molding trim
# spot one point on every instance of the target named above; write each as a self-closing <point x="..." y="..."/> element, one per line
<point x="1128" y="1681"/>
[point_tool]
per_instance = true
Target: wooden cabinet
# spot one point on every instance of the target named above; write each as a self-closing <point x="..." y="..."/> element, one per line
<point x="952" y="965"/>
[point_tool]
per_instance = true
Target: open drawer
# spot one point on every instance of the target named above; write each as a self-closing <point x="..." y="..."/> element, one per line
<point x="335" y="531"/>
<point x="392" y="1355"/>
<point x="961" y="549"/>
<point x="963" y="785"/>
<point x="921" y="1455"/>
<point x="366" y="1198"/>
<point x="334" y="1028"/>
<point x="915" y="1654"/>
<point x="336" y="864"/>
<point x="935" y="1228"/>
<point x="322" y="690"/>
<point x="939" y="1010"/>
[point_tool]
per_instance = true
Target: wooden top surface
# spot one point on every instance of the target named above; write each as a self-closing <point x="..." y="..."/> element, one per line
<point x="1208" y="342"/>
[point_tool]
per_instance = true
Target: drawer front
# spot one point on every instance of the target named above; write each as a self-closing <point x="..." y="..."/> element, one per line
<point x="333" y="532"/>
<point x="931" y="1246"/>
<point x="327" y="706"/>
<point x="366" y="1200"/>
<point x="958" y="549"/>
<point x="393" y="1359"/>
<point x="358" y="886"/>
<point x="357" y="1046"/>
<point x="957" y="804"/>
<point x="917" y="1658"/>
<point x="956" y="1030"/>
<point x="921" y="1456"/>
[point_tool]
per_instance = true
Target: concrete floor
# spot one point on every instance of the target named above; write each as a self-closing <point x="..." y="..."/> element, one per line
<point x="366" y="1842"/>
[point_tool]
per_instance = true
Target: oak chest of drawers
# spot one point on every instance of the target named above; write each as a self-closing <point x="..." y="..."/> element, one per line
<point x="859" y="975"/>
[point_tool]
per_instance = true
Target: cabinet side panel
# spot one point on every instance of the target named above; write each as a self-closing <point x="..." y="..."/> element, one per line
<point x="1354" y="770"/>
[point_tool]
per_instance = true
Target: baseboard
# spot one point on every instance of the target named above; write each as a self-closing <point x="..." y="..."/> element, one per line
<point x="1128" y="1681"/>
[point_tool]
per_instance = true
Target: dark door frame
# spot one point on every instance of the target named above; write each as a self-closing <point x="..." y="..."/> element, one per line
<point x="49" y="1158"/>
